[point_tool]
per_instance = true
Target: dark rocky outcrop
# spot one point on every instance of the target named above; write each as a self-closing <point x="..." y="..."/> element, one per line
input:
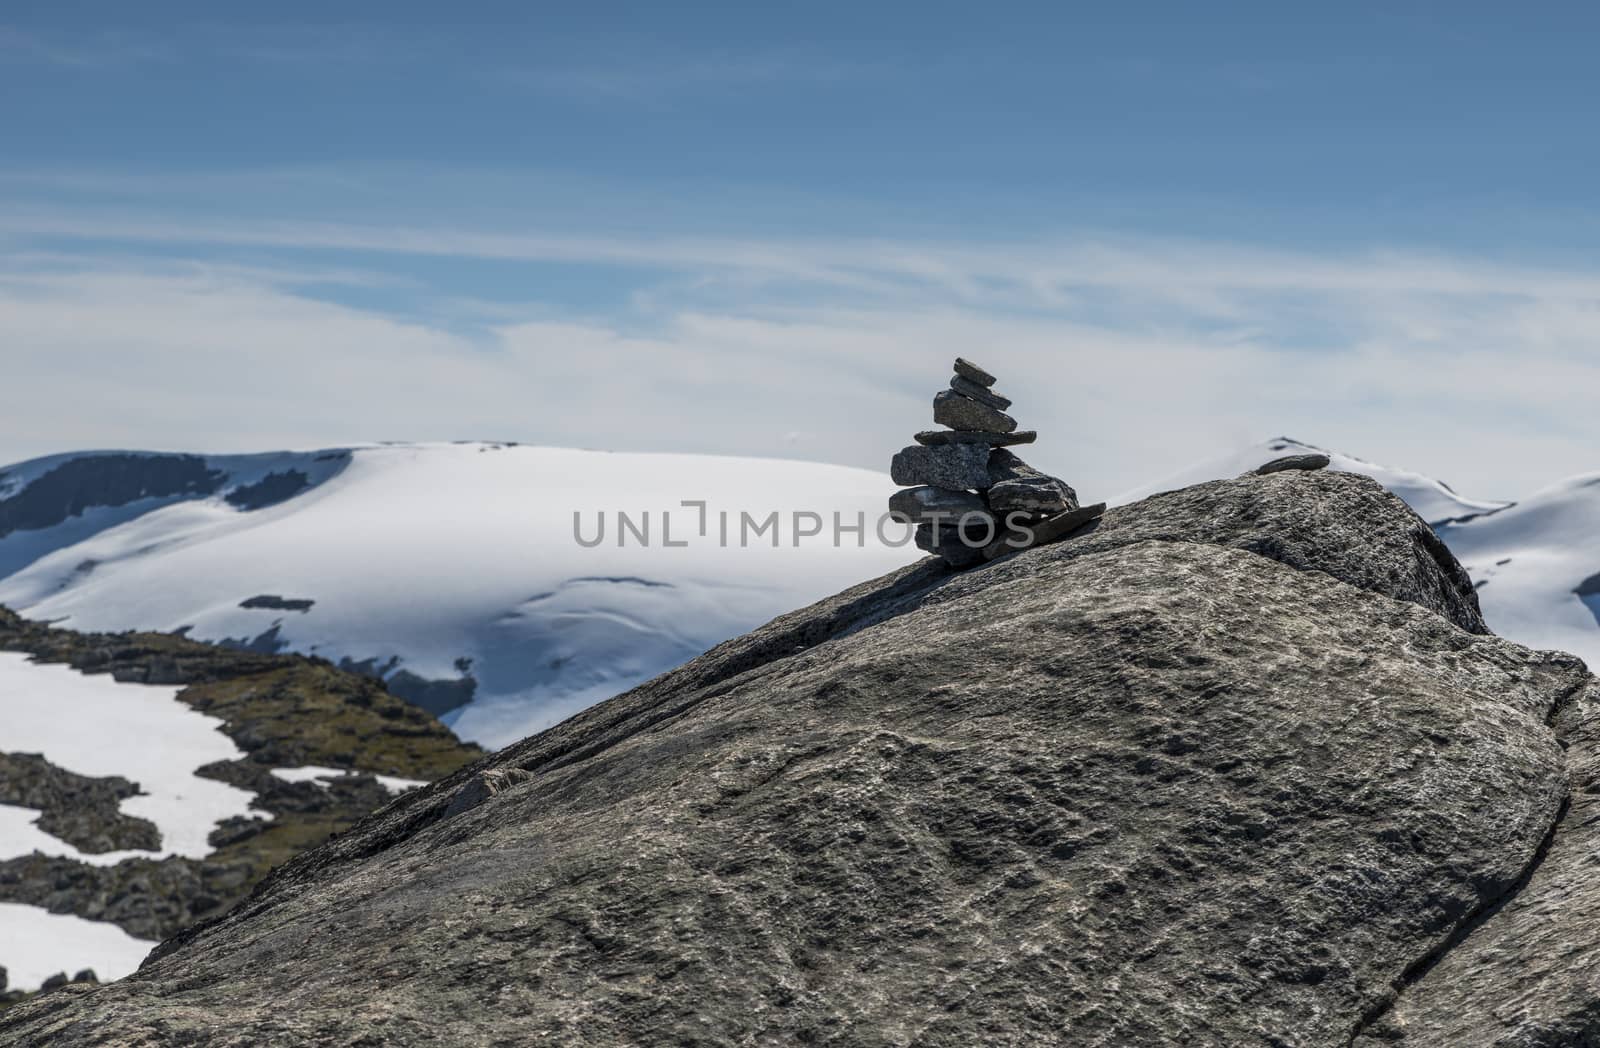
<point x="80" y="809"/>
<point x="1237" y="765"/>
<point x="273" y="602"/>
<point x="269" y="490"/>
<point x="112" y="479"/>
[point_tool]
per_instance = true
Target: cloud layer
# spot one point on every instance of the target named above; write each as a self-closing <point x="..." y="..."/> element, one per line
<point x="1132" y="357"/>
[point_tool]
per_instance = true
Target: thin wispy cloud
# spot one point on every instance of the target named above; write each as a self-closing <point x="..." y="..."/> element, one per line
<point x="1197" y="276"/>
<point x="650" y="79"/>
<point x="103" y="49"/>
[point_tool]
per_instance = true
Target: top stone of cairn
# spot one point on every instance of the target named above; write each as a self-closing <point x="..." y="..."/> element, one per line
<point x="973" y="373"/>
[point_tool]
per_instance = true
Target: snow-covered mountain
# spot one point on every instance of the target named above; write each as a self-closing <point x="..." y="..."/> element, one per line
<point x="1536" y="562"/>
<point x="469" y="576"/>
<point x="1537" y="567"/>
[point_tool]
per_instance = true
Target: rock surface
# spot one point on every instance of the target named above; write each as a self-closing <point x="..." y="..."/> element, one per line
<point x="1231" y="766"/>
<point x="958" y="412"/>
<point x="950" y="466"/>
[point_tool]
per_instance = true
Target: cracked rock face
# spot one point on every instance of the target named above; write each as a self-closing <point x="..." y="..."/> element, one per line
<point x="1233" y="766"/>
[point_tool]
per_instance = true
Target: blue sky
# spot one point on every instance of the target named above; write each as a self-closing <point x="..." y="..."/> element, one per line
<point x="747" y="229"/>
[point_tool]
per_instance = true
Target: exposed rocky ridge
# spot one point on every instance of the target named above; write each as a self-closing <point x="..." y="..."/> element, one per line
<point x="1236" y="765"/>
<point x="80" y="809"/>
<point x="283" y="711"/>
<point x="103" y="480"/>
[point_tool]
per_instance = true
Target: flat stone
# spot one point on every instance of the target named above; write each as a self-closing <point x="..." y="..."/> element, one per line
<point x="1051" y="529"/>
<point x="973" y="373"/>
<point x="1063" y="524"/>
<point x="978" y="393"/>
<point x="958" y="412"/>
<point x="957" y="436"/>
<point x="1032" y="495"/>
<point x="954" y="467"/>
<point x="1307" y="462"/>
<point x="957" y="546"/>
<point x="919" y="505"/>
<point x="1016" y="486"/>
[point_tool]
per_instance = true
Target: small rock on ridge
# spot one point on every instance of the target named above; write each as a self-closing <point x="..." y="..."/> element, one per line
<point x="973" y="373"/>
<point x="955" y="467"/>
<point x="958" y="412"/>
<point x="957" y="436"/>
<point x="1312" y="461"/>
<point x="978" y="393"/>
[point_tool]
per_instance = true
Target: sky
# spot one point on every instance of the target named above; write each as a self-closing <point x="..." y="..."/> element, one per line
<point x="1171" y="229"/>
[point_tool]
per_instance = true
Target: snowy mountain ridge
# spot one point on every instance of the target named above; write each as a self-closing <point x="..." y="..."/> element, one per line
<point x="468" y="576"/>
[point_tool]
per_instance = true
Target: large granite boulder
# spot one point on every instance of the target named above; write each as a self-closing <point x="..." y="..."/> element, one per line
<point x="1233" y="766"/>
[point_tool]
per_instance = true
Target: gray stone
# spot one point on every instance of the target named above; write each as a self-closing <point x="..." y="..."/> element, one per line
<point x="956" y="436"/>
<point x="1045" y="495"/>
<point x="1015" y="485"/>
<point x="919" y="504"/>
<point x="951" y="466"/>
<point x="957" y="546"/>
<point x="1062" y="525"/>
<point x="1312" y="461"/>
<point x="87" y="975"/>
<point x="1043" y="532"/>
<point x="973" y="373"/>
<point x="1224" y="769"/>
<point x="978" y="393"/>
<point x="958" y="412"/>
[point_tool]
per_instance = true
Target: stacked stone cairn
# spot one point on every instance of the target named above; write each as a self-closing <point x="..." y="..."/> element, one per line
<point x="970" y="497"/>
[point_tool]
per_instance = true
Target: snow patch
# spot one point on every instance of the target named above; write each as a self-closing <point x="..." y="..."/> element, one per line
<point x="98" y="726"/>
<point x="321" y="775"/>
<point x="37" y="944"/>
